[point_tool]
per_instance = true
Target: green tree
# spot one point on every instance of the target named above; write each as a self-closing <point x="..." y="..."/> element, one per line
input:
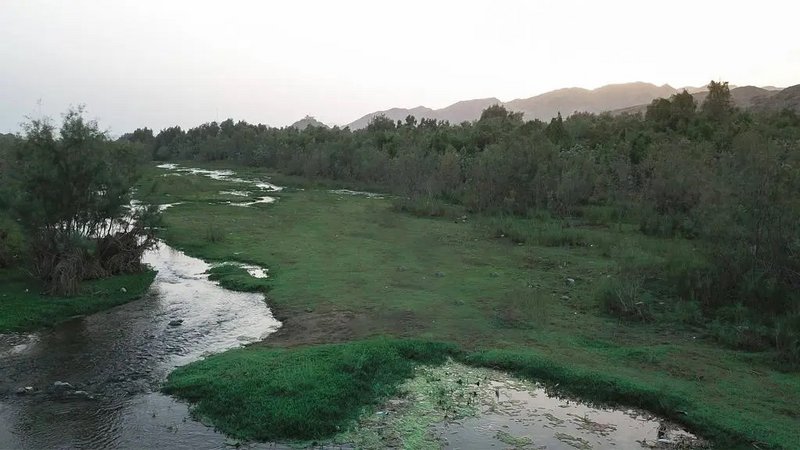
<point x="718" y="105"/>
<point x="556" y="131"/>
<point x="70" y="192"/>
<point x="499" y="112"/>
<point x="683" y="107"/>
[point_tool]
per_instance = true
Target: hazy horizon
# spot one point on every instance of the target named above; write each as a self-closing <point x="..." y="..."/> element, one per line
<point x="136" y="64"/>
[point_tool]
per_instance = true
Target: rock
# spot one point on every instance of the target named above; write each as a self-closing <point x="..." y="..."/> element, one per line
<point x="233" y="442"/>
<point x="565" y="297"/>
<point x="175" y="322"/>
<point x="439" y="274"/>
<point x="494" y="274"/>
<point x="61" y="385"/>
<point x="81" y="394"/>
<point x="25" y="390"/>
<point x="123" y="290"/>
<point x="570" y="281"/>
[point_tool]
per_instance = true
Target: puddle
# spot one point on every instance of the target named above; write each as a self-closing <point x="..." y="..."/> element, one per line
<point x="349" y="192"/>
<point x="166" y="206"/>
<point x="253" y="270"/>
<point x="261" y="200"/>
<point x="460" y="407"/>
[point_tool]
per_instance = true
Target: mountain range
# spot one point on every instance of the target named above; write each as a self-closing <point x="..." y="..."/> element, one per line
<point x="614" y="98"/>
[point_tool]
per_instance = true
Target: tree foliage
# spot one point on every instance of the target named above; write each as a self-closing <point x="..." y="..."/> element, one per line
<point x="718" y="105"/>
<point x="69" y="189"/>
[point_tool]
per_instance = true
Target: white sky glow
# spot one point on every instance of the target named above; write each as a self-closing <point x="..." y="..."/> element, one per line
<point x="161" y="63"/>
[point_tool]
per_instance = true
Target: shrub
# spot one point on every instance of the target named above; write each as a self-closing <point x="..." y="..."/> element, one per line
<point x="626" y="299"/>
<point x="787" y="338"/>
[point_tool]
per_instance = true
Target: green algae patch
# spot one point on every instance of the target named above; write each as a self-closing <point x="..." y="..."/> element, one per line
<point x="434" y="394"/>
<point x="454" y="405"/>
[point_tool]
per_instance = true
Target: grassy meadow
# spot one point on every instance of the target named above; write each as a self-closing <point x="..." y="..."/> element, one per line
<point x="522" y="294"/>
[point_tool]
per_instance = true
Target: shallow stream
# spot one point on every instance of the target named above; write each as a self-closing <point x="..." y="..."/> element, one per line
<point x="114" y="362"/>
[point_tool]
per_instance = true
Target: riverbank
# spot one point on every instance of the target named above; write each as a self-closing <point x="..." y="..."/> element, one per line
<point x="344" y="268"/>
<point x="24" y="308"/>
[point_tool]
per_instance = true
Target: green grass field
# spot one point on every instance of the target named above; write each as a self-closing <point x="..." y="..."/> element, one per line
<point x="23" y="307"/>
<point x="355" y="268"/>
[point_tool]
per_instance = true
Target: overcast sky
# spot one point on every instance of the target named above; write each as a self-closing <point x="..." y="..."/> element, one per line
<point x="161" y="63"/>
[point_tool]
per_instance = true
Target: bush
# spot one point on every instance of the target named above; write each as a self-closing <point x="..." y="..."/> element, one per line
<point x="5" y="250"/>
<point x="744" y="335"/>
<point x="787" y="339"/>
<point x="626" y="299"/>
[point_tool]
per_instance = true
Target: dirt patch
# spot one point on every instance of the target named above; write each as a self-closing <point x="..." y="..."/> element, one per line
<point x="330" y="327"/>
<point x="306" y="328"/>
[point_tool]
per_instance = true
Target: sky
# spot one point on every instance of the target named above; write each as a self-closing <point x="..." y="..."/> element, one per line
<point x="163" y="63"/>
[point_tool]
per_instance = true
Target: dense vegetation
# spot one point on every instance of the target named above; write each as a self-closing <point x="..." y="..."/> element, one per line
<point x="725" y="178"/>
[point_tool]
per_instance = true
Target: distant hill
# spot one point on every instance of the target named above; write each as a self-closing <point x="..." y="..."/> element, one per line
<point x="543" y="107"/>
<point x="743" y="97"/>
<point x="308" y="121"/>
<point x="788" y="98"/>
<point x="606" y="98"/>
<point x="467" y="110"/>
<point x="614" y="98"/>
<point x="455" y="113"/>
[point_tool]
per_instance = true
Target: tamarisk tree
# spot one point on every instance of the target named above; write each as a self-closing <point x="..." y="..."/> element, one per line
<point x="70" y="191"/>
